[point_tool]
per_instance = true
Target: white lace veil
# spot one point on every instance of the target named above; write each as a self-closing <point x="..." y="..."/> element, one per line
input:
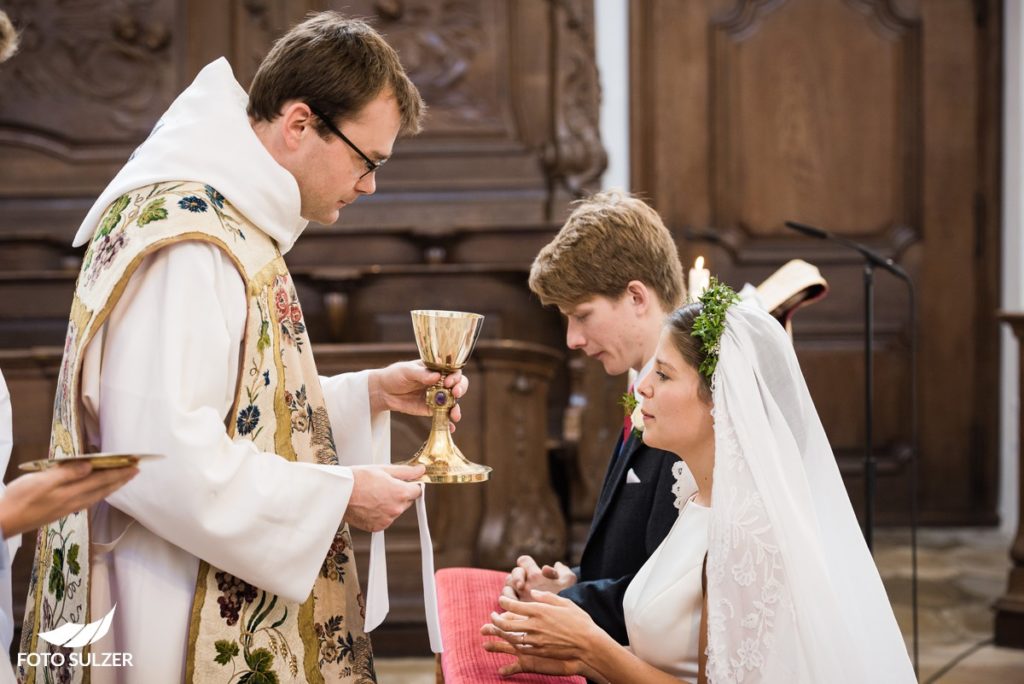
<point x="793" y="593"/>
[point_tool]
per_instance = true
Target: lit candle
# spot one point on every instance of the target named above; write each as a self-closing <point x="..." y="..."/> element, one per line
<point x="699" y="280"/>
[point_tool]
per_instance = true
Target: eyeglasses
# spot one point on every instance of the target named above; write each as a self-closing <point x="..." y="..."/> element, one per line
<point x="371" y="165"/>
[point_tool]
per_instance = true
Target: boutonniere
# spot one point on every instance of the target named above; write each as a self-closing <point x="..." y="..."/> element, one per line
<point x="631" y="408"/>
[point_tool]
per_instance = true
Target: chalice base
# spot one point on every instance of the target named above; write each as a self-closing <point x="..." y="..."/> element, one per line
<point x="444" y="462"/>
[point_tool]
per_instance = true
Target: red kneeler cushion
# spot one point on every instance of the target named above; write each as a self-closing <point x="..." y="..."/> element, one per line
<point x="465" y="599"/>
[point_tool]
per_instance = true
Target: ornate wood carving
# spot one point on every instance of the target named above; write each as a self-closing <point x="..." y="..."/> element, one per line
<point x="91" y="77"/>
<point x="257" y="24"/>
<point x="511" y="133"/>
<point x="575" y="157"/>
<point x="444" y="49"/>
<point x="521" y="516"/>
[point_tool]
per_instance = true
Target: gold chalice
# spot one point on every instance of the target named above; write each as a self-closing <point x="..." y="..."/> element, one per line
<point x="445" y="340"/>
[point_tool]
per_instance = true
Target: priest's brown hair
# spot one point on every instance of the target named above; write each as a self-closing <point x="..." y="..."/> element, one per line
<point x="608" y="240"/>
<point x="338" y="65"/>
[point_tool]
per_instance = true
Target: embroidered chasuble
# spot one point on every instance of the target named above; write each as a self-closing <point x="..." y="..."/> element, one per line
<point x="238" y="632"/>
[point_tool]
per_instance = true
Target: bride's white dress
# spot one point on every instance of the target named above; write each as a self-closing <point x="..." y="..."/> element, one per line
<point x="793" y="594"/>
<point x="663" y="603"/>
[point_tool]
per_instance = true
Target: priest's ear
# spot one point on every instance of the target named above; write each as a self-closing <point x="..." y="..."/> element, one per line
<point x="295" y="123"/>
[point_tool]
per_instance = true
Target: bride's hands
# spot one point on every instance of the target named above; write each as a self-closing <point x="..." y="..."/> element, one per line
<point x="527" y="663"/>
<point x="549" y="628"/>
<point x="554" y="636"/>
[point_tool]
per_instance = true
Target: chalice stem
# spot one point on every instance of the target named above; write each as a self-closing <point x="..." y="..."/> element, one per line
<point x="440" y="408"/>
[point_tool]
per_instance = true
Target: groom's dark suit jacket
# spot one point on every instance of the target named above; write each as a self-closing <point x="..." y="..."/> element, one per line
<point x="630" y="521"/>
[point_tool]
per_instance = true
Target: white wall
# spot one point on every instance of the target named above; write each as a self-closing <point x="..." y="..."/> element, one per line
<point x="1013" y="256"/>
<point x="612" y="37"/>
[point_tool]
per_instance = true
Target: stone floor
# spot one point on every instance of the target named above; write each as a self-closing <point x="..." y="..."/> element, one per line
<point x="406" y="671"/>
<point x="960" y="572"/>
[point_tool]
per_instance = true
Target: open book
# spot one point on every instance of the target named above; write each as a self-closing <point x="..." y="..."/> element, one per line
<point x="795" y="285"/>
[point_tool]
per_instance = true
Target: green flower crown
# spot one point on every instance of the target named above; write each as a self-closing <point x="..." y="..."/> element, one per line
<point x="710" y="323"/>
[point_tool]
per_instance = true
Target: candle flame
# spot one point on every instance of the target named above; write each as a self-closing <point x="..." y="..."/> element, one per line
<point x="699" y="263"/>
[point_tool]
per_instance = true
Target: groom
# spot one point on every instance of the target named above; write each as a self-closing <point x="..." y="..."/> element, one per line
<point x="614" y="272"/>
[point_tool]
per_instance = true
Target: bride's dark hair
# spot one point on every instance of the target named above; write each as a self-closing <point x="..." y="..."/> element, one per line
<point x="680" y="324"/>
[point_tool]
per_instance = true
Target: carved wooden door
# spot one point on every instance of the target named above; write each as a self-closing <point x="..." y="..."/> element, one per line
<point x="879" y="121"/>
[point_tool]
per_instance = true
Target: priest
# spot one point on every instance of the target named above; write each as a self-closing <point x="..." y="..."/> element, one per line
<point x="231" y="557"/>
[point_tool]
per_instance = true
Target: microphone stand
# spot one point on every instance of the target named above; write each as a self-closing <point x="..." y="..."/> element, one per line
<point x="872" y="260"/>
<point x="870" y="465"/>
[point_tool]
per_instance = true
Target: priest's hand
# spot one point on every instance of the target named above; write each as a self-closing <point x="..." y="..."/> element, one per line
<point x="381" y="494"/>
<point x="527" y="575"/>
<point x="401" y="387"/>
<point x="33" y="500"/>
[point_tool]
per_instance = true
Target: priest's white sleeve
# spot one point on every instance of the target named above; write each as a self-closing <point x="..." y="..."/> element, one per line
<point x="161" y="376"/>
<point x="362" y="439"/>
<point x="8" y="547"/>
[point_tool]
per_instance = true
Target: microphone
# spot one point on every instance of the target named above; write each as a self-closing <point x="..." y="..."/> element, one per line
<point x="868" y="253"/>
<point x="808" y="230"/>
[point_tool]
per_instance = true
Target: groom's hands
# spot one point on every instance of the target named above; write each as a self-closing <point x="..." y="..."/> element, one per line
<point x="401" y="387"/>
<point x="527" y="575"/>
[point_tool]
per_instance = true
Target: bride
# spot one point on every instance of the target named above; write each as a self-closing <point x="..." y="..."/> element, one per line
<point x="765" y="576"/>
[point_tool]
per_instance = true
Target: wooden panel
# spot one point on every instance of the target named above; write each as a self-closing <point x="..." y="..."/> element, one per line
<point x="89" y="81"/>
<point x="511" y="87"/>
<point x="836" y="141"/>
<point x="591" y="427"/>
<point x="879" y="122"/>
<point x="511" y="133"/>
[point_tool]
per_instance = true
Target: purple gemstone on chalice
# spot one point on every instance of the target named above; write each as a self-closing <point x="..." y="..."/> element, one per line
<point x="440" y="399"/>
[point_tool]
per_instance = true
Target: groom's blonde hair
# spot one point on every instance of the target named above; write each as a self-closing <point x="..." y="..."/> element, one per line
<point x="608" y="240"/>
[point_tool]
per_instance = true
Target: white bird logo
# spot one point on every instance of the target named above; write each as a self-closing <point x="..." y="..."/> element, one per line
<point x="74" y="635"/>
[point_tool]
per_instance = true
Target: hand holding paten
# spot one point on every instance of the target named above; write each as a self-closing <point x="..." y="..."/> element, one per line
<point x="33" y="500"/>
